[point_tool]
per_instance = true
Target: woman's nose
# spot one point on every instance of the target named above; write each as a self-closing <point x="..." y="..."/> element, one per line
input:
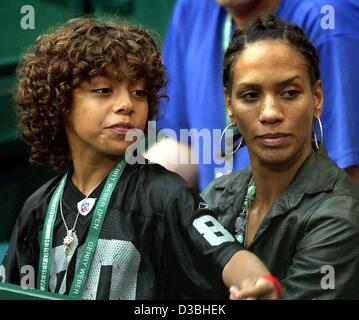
<point x="270" y="111"/>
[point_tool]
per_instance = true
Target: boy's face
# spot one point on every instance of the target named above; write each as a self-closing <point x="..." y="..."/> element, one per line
<point x="103" y="110"/>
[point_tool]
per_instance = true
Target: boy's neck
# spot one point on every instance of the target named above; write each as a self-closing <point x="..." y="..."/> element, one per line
<point x="87" y="174"/>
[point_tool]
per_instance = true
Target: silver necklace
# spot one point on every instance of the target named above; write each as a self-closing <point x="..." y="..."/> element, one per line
<point x="71" y="241"/>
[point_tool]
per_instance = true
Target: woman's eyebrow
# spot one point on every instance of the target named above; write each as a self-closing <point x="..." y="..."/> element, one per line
<point x="246" y="85"/>
<point x="288" y="81"/>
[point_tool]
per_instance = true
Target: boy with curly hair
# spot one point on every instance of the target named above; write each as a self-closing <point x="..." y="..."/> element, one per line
<point x="104" y="229"/>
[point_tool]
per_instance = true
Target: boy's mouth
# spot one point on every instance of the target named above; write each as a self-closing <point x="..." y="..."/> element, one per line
<point x="121" y="127"/>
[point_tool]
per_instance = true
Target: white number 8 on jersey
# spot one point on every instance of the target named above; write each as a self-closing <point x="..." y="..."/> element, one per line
<point x="212" y="230"/>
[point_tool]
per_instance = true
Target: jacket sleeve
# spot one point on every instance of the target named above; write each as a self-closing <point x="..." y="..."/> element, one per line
<point x="197" y="247"/>
<point x="10" y="271"/>
<point x="23" y="250"/>
<point x="326" y="262"/>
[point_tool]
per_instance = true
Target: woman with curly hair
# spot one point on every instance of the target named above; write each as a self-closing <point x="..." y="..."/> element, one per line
<point x="104" y="228"/>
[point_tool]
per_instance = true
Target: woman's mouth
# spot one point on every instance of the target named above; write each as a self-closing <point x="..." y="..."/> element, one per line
<point x="273" y="139"/>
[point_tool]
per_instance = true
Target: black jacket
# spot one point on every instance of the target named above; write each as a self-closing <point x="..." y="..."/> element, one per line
<point x="309" y="235"/>
<point x="149" y="247"/>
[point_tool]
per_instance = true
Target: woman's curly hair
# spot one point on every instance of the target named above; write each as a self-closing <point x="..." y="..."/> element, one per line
<point x="60" y="60"/>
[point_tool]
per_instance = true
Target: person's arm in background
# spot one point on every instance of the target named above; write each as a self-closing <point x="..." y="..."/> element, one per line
<point x="173" y="114"/>
<point x="338" y="49"/>
<point x="167" y="152"/>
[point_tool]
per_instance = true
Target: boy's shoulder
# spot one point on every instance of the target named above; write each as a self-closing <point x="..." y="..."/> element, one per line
<point x="155" y="174"/>
<point x="41" y="194"/>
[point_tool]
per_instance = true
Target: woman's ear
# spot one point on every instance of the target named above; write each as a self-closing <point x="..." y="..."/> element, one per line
<point x="228" y="103"/>
<point x="318" y="98"/>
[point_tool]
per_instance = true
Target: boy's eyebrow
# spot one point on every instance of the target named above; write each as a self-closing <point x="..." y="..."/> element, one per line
<point x="279" y="84"/>
<point x="101" y="76"/>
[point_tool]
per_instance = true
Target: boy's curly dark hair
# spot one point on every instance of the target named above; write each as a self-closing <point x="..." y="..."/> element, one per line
<point x="61" y="60"/>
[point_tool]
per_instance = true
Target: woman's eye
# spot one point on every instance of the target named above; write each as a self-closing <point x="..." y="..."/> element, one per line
<point x="249" y="96"/>
<point x="290" y="94"/>
<point x="139" y="93"/>
<point x="103" y="91"/>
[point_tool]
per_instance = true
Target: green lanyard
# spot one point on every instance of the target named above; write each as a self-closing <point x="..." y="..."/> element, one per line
<point x="226" y="39"/>
<point x="47" y="233"/>
<point x="89" y="248"/>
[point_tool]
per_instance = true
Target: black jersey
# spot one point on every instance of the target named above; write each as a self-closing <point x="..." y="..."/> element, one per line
<point x="159" y="240"/>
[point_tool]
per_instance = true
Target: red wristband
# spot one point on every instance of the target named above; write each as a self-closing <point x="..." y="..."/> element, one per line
<point x="276" y="283"/>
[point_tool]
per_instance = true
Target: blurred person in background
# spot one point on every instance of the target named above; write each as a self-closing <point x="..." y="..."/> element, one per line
<point x="198" y="35"/>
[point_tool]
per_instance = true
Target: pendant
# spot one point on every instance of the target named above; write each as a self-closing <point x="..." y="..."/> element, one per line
<point x="240" y="238"/>
<point x="239" y="224"/>
<point x="85" y="206"/>
<point x="70" y="242"/>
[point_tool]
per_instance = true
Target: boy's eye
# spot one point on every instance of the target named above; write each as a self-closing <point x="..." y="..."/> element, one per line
<point x="290" y="94"/>
<point x="139" y="93"/>
<point x="249" y="96"/>
<point x="102" y="91"/>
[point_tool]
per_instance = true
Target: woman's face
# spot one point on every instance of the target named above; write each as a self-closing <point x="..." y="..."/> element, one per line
<point x="273" y="103"/>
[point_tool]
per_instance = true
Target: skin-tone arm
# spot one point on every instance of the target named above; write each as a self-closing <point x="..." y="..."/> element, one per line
<point x="167" y="153"/>
<point x="242" y="275"/>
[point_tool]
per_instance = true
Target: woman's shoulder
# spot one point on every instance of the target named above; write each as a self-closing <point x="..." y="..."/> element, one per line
<point x="343" y="200"/>
<point x="226" y="187"/>
<point x="232" y="182"/>
<point x="336" y="208"/>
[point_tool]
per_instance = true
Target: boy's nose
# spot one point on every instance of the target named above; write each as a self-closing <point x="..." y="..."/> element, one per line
<point x="123" y="103"/>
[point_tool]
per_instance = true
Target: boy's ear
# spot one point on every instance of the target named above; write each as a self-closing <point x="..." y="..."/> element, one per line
<point x="227" y="99"/>
<point x="318" y="98"/>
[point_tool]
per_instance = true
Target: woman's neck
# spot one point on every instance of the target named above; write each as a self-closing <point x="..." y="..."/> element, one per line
<point x="271" y="182"/>
<point x="89" y="172"/>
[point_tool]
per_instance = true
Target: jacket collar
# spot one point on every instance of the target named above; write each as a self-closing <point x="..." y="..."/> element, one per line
<point x="317" y="174"/>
